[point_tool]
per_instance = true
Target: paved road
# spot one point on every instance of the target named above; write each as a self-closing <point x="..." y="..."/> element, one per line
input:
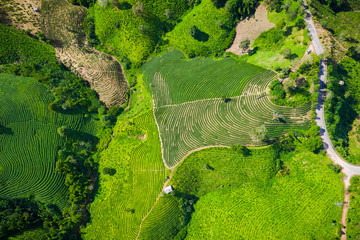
<point x="348" y="169"/>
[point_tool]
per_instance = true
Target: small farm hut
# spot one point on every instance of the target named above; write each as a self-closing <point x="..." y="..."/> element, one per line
<point x="168" y="189"/>
<point x="36" y="9"/>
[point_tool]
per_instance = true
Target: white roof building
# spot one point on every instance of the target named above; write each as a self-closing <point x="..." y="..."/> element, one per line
<point x="168" y="189"/>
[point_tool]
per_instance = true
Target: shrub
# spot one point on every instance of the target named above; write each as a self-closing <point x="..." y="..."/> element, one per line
<point x="287" y="53"/>
<point x="244" y="44"/>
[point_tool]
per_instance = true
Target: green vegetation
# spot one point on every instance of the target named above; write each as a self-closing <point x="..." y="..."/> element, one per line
<point x="124" y="198"/>
<point x="164" y="221"/>
<point x="276" y="210"/>
<point x="215" y="32"/>
<point x="242" y="193"/>
<point x="353" y="217"/>
<point x="289" y="35"/>
<point x="218" y="168"/>
<point x="131" y="36"/>
<point x="191" y="112"/>
<point x="29" y="147"/>
<point x="342" y="105"/>
<point x="38" y="60"/>
<point x="174" y="80"/>
<point x="335" y="15"/>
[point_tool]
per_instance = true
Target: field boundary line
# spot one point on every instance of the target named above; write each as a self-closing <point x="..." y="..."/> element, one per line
<point x="152" y="207"/>
<point x="161" y="143"/>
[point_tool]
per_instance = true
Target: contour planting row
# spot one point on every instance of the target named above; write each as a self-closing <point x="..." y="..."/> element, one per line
<point x="196" y="79"/>
<point x="186" y="127"/>
<point x="29" y="143"/>
<point x="61" y="21"/>
<point x="104" y="74"/>
<point x="163" y="221"/>
<point x="189" y="126"/>
<point x="135" y="153"/>
<point x="28" y="163"/>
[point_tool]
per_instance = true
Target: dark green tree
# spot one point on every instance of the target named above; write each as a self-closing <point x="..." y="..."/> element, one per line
<point x="244" y="44"/>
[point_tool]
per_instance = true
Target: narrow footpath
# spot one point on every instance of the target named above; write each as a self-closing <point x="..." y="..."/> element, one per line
<point x="348" y="169"/>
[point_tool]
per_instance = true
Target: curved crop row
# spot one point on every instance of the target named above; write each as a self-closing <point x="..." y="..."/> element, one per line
<point x="196" y="79"/>
<point x="214" y="122"/>
<point x="29" y="140"/>
<point x="62" y="23"/>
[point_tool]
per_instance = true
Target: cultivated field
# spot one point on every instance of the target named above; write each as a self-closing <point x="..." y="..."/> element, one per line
<point x="62" y="23"/>
<point x="305" y="204"/>
<point x="125" y="198"/>
<point x="213" y="103"/>
<point x="29" y="141"/>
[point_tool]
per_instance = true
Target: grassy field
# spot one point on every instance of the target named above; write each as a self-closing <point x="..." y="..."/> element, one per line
<point x="207" y="119"/>
<point x="305" y="204"/>
<point x="134" y="152"/>
<point x="217" y="30"/>
<point x="270" y="44"/>
<point x="29" y="141"/>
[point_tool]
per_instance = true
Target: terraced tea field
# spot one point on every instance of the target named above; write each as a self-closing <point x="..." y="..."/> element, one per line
<point x="62" y="23"/>
<point x="125" y="198"/>
<point x="29" y="140"/>
<point x="191" y="110"/>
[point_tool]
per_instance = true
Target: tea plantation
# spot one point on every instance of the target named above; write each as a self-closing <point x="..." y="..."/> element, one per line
<point x="202" y="102"/>
<point x="29" y="140"/>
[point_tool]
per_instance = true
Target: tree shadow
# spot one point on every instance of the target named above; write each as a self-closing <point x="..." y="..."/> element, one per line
<point x="253" y="51"/>
<point x="6" y="131"/>
<point x="288" y="31"/>
<point x="293" y="56"/>
<point x="227" y="100"/>
<point x="201" y="36"/>
<point x="124" y="6"/>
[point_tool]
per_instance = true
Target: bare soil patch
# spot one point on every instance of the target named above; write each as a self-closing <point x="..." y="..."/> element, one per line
<point x="250" y="28"/>
<point x="20" y="14"/>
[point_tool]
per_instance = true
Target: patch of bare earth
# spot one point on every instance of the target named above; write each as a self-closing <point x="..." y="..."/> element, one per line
<point x="20" y="14"/>
<point x="61" y="22"/>
<point x="251" y="28"/>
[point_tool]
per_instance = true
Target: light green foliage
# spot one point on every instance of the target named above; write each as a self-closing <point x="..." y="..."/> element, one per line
<point x="14" y="46"/>
<point x="164" y="221"/>
<point x="353" y="217"/>
<point x="269" y="46"/>
<point x="29" y="146"/>
<point x="290" y="207"/>
<point x="134" y="152"/>
<point x="218" y="168"/>
<point x="174" y="80"/>
<point x="120" y="28"/>
<point x="338" y="21"/>
<point x="207" y="120"/>
<point x="215" y="37"/>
